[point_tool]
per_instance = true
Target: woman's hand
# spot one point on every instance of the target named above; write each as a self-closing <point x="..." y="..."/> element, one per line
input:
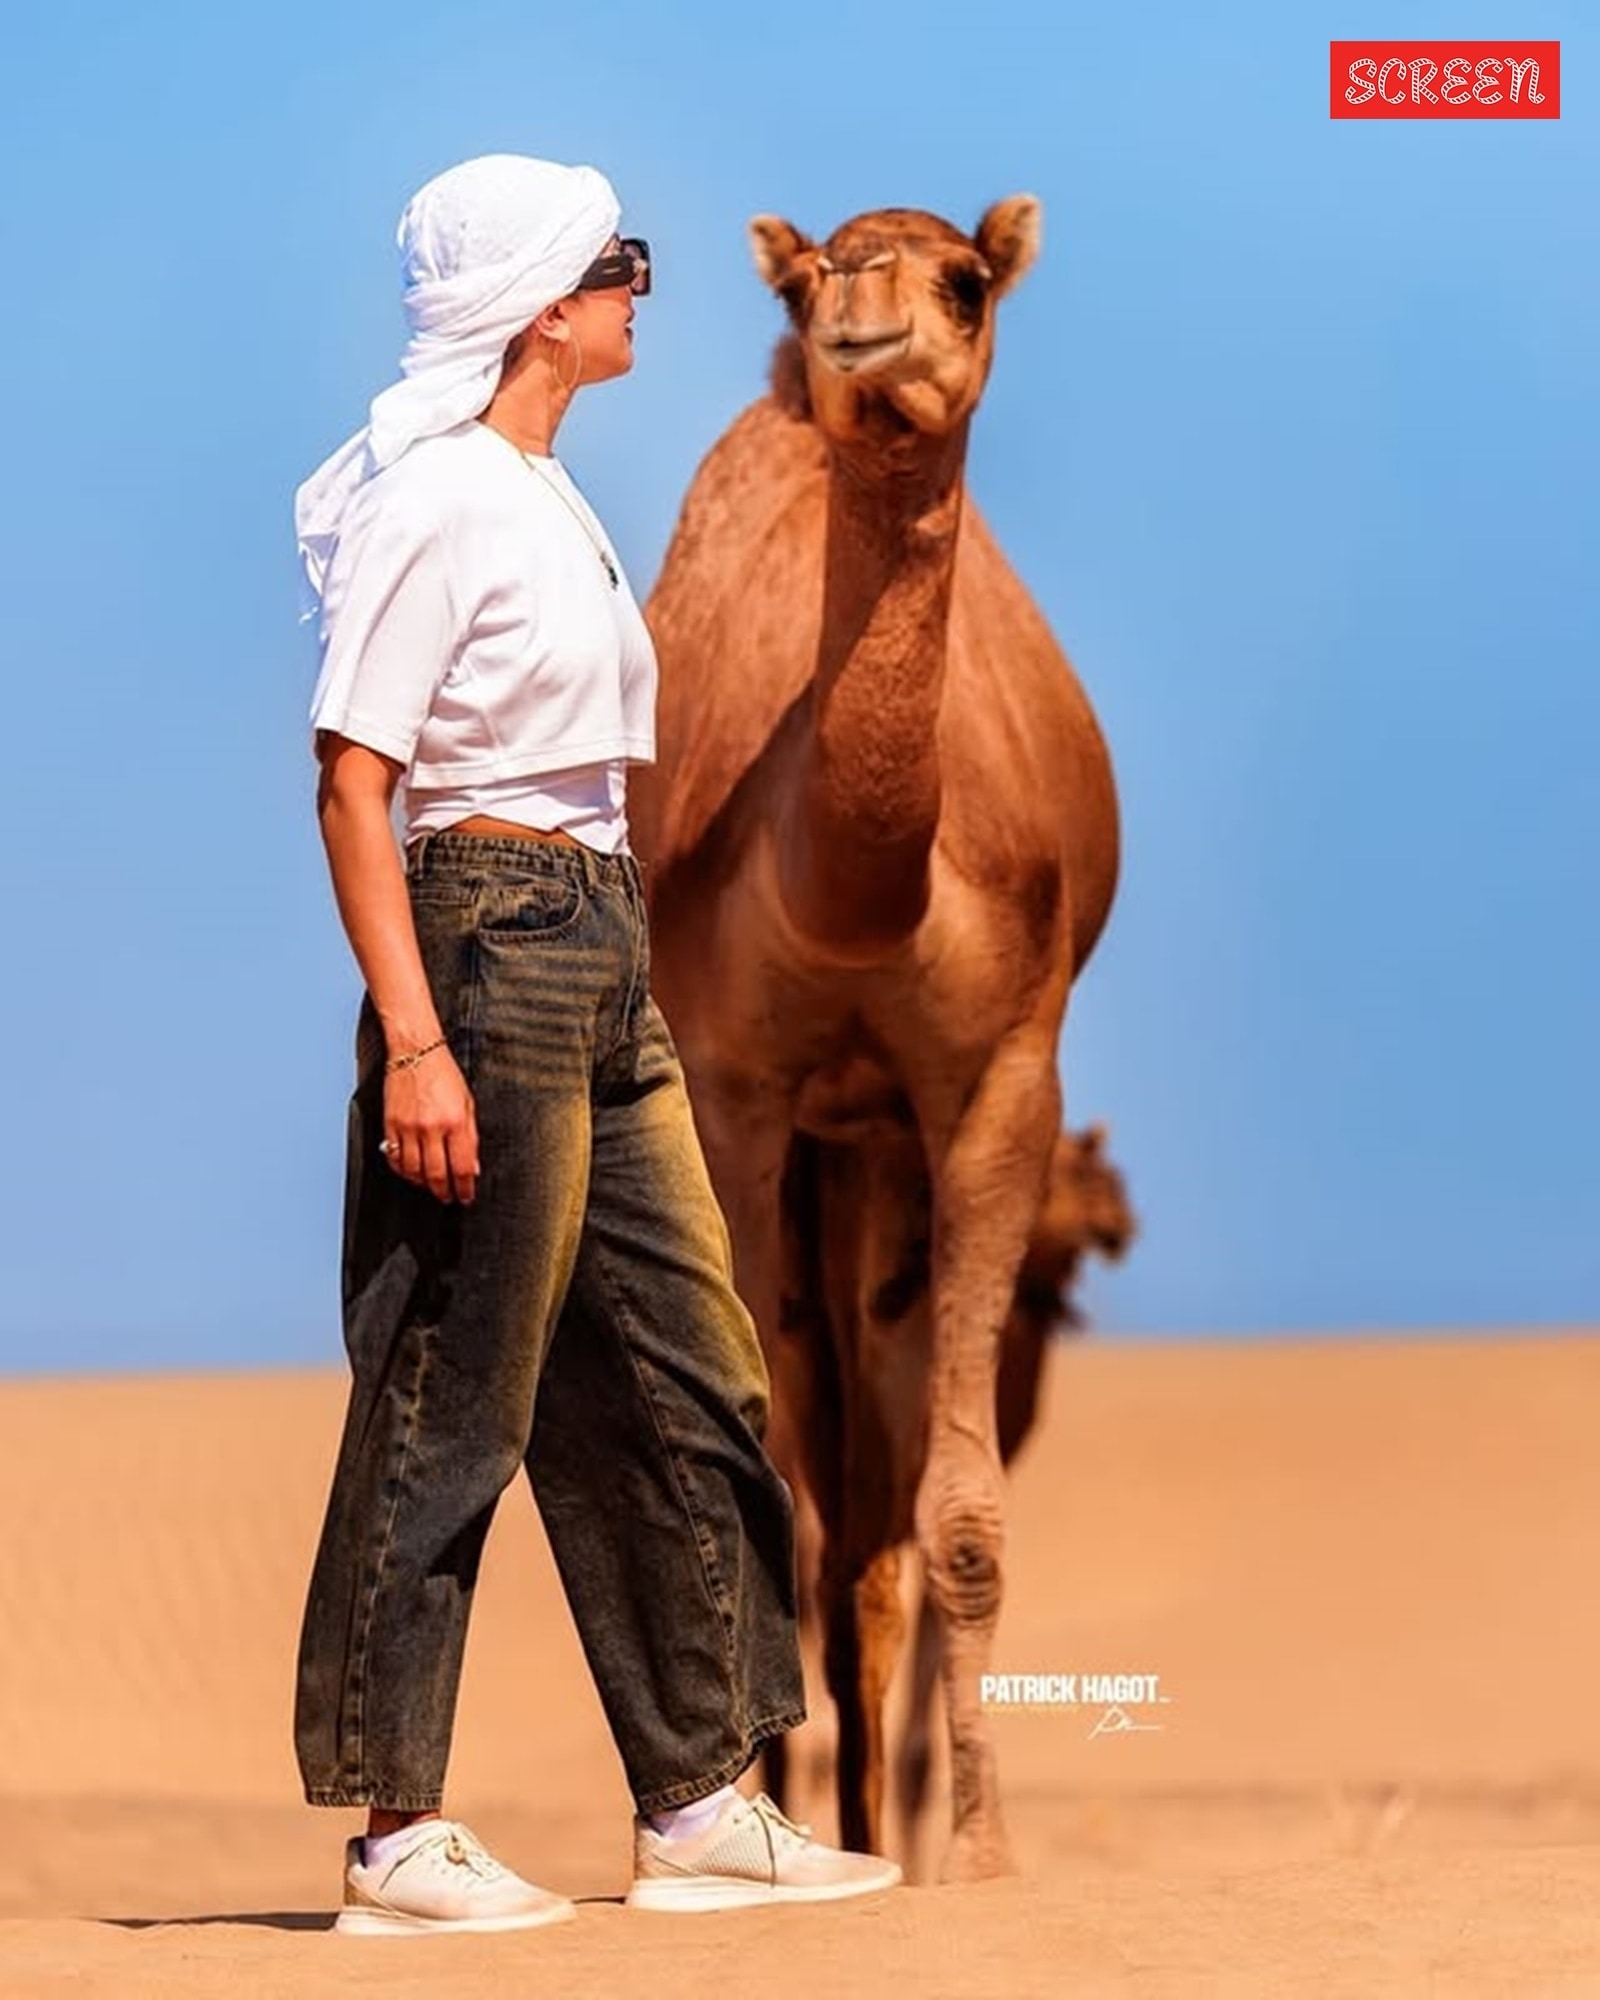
<point x="430" y="1129"/>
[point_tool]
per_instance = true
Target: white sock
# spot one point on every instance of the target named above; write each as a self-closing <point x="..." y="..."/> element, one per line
<point x="387" y="1848"/>
<point x="683" y="1822"/>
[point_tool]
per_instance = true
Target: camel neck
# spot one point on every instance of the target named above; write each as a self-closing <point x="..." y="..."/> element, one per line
<point x="870" y="793"/>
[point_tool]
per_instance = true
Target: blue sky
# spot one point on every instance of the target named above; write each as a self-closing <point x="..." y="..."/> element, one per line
<point x="1292" y="433"/>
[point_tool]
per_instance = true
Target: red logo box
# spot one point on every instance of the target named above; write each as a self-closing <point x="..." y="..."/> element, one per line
<point x="1444" y="79"/>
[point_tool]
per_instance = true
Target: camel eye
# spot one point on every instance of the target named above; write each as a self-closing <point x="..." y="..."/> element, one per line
<point x="967" y="289"/>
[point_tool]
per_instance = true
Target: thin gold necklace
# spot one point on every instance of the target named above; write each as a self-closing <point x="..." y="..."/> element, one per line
<point x="600" y="549"/>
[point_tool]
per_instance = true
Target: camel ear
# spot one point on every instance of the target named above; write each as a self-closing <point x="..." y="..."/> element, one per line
<point x="775" y="244"/>
<point x="1096" y="1136"/>
<point x="1008" y="238"/>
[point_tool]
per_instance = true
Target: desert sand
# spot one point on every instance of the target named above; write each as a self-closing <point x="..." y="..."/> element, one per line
<point x="1363" y="1570"/>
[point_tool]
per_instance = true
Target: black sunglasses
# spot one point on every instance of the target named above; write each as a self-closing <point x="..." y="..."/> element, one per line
<point x="628" y="264"/>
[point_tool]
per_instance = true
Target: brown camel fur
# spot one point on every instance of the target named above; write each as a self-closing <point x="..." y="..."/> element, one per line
<point x="1085" y="1210"/>
<point x="881" y="841"/>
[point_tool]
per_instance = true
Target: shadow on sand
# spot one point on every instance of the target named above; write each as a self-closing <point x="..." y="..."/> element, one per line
<point x="284" y="1920"/>
<point x="271" y="1920"/>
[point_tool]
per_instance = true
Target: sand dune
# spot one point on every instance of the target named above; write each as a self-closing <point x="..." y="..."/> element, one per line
<point x="1362" y="1570"/>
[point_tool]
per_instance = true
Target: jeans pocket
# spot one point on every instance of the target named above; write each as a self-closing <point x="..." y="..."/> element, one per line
<point x="530" y="908"/>
<point x="427" y="894"/>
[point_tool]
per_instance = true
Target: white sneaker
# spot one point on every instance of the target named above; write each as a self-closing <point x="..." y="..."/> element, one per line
<point x="750" y="1854"/>
<point x="447" y="1881"/>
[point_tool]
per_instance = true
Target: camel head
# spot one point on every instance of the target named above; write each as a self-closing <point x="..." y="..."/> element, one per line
<point x="894" y="314"/>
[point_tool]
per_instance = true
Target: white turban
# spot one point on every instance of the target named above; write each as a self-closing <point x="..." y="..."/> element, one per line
<point x="485" y="247"/>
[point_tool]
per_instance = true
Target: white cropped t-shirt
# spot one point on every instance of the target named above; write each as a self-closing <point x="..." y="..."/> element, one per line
<point x="589" y="802"/>
<point x="471" y="630"/>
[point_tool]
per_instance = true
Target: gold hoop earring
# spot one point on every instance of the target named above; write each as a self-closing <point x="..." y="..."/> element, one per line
<point x="567" y="388"/>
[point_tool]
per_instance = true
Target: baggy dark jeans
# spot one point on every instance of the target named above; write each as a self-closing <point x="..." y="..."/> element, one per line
<point x="578" y="1319"/>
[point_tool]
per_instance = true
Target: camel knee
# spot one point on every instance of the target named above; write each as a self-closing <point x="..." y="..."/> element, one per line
<point x="963" y="1565"/>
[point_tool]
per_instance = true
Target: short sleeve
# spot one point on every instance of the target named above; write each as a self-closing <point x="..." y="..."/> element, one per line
<point x="389" y="624"/>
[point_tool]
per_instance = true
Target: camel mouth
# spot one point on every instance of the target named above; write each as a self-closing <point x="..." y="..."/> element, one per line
<point x="851" y="353"/>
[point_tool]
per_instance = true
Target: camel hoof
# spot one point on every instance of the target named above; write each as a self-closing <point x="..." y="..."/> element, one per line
<point x="977" y="1854"/>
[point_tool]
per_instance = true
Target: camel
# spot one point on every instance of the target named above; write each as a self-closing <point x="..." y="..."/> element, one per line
<point x="1085" y="1211"/>
<point x="880" y="841"/>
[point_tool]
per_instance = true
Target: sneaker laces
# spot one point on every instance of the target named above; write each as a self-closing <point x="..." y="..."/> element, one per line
<point x="777" y="1822"/>
<point x="465" y="1850"/>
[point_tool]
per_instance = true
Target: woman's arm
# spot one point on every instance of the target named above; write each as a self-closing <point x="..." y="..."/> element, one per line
<point x="428" y="1114"/>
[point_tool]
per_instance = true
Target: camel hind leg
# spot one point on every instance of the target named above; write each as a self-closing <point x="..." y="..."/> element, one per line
<point x="747" y="1139"/>
<point x="803" y="1442"/>
<point x="872" y="1208"/>
<point x="798" y="1770"/>
<point x="861" y="1608"/>
<point x="786" y="1760"/>
<point x="914" y="1759"/>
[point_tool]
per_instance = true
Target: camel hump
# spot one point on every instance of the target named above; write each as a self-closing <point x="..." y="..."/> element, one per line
<point x="726" y="592"/>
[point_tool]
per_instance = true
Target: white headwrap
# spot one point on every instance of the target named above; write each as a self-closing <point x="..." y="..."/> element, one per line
<point x="485" y="247"/>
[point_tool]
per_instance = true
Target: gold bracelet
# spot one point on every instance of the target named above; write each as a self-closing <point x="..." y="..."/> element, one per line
<point x="410" y="1061"/>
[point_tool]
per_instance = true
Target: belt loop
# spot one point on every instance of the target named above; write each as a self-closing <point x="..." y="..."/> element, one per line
<point x="416" y="853"/>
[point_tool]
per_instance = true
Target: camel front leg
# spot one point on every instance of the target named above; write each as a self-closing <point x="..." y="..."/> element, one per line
<point x="986" y="1191"/>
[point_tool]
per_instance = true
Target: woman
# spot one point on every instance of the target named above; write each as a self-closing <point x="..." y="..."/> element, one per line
<point x="536" y="1273"/>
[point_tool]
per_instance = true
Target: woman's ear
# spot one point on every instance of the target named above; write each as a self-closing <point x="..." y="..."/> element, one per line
<point x="552" y="324"/>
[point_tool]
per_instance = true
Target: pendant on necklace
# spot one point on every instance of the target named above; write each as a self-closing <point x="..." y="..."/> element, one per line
<point x="549" y="484"/>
